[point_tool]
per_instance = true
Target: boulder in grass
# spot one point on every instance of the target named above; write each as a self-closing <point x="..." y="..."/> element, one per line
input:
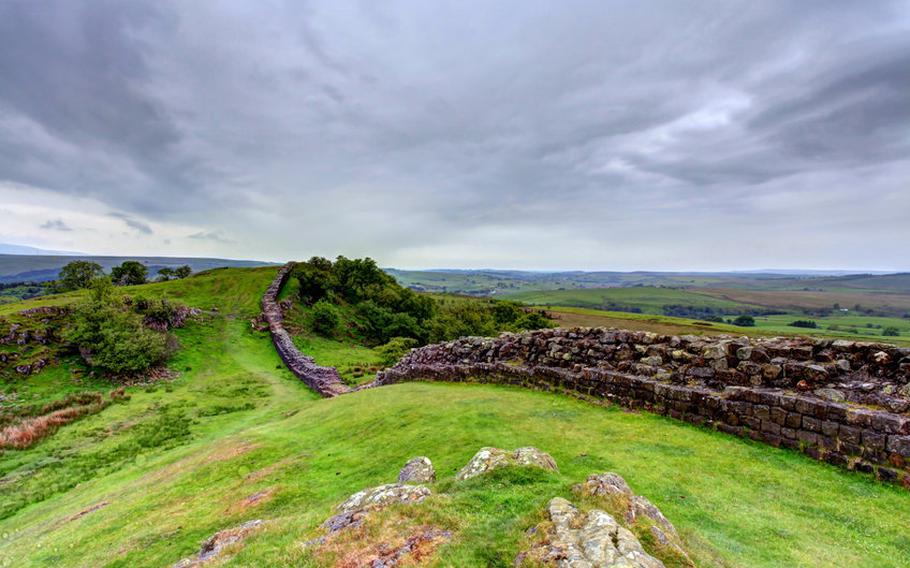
<point x="488" y="459"/>
<point x="417" y="470"/>
<point x="637" y="511"/>
<point x="576" y="539"/>
<point x="352" y="511"/>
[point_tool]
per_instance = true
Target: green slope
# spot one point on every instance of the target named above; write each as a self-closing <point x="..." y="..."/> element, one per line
<point x="171" y="466"/>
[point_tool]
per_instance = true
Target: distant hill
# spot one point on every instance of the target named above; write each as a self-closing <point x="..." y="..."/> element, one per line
<point x="40" y="268"/>
<point x="487" y="282"/>
<point x="6" y="248"/>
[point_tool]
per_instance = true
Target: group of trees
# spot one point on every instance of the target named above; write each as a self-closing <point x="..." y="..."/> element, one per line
<point x="111" y="336"/>
<point x="80" y="274"/>
<point x="380" y="309"/>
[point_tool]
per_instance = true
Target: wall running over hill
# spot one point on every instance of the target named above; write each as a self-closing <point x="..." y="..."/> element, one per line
<point x="324" y="380"/>
<point x="838" y="401"/>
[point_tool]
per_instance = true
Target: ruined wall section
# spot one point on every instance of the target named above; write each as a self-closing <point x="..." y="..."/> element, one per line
<point x="842" y="402"/>
<point x="324" y="380"/>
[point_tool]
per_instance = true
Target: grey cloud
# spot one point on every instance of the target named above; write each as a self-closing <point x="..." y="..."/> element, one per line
<point x="138" y="226"/>
<point x="211" y="236"/>
<point x="56" y="225"/>
<point x="360" y="127"/>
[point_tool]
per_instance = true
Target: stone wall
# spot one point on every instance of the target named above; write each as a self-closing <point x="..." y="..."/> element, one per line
<point x="842" y="402"/>
<point x="323" y="380"/>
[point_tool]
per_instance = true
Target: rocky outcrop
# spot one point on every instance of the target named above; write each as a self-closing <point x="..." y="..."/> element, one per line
<point x="214" y="547"/>
<point x="593" y="539"/>
<point x="357" y="536"/>
<point x="488" y="459"/>
<point x="324" y="380"/>
<point x="417" y="470"/>
<point x="352" y="512"/>
<point x="636" y="511"/>
<point x="779" y="391"/>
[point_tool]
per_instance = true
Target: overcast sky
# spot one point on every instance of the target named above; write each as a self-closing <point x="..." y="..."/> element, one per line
<point x="608" y="135"/>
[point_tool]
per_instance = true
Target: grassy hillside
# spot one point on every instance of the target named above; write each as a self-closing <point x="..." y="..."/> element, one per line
<point x="144" y="482"/>
<point x="21" y="268"/>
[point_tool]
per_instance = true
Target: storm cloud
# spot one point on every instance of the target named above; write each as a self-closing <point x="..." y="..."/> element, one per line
<point x="600" y="134"/>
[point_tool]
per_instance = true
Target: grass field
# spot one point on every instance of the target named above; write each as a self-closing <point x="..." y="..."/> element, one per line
<point x="144" y="482"/>
<point x="649" y="300"/>
<point x="890" y="303"/>
<point x="766" y="326"/>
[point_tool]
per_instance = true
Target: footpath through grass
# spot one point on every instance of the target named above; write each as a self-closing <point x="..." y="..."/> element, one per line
<point x="145" y="482"/>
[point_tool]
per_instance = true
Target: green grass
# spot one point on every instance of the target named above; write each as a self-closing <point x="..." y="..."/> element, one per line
<point x="649" y="299"/>
<point x="174" y="462"/>
<point x="840" y="326"/>
<point x="355" y="363"/>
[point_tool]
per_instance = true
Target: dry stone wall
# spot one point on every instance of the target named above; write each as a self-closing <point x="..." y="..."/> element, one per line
<point x="842" y="402"/>
<point x="324" y="380"/>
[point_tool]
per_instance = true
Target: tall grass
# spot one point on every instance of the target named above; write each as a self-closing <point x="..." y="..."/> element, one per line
<point x="30" y="431"/>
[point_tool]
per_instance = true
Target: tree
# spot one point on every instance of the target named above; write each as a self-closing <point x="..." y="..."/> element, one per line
<point x="744" y="321"/>
<point x="325" y="318"/>
<point x="315" y="278"/>
<point x="183" y="271"/>
<point x="165" y="274"/>
<point x="78" y="274"/>
<point x="891" y="332"/>
<point x="130" y="273"/>
<point x="112" y="338"/>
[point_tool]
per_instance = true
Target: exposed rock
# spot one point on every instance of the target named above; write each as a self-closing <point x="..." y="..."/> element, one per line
<point x="488" y="459"/>
<point x="635" y="509"/>
<point x="833" y="395"/>
<point x="215" y="545"/>
<point x="417" y="470"/>
<point x="587" y="540"/>
<point x="605" y="485"/>
<point x="351" y="513"/>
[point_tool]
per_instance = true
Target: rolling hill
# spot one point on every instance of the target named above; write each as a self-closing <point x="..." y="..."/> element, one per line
<point x="44" y="267"/>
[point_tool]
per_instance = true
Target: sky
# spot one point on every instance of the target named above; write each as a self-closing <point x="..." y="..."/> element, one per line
<point x="598" y="135"/>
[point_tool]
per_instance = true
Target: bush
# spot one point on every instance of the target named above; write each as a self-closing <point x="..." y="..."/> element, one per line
<point x="808" y="324"/>
<point x="113" y="339"/>
<point x="744" y="321"/>
<point x="325" y="318"/>
<point x="395" y="349"/>
<point x="891" y="332"/>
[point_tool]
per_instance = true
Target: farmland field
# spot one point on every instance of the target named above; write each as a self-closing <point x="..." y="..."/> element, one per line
<point x="649" y="300"/>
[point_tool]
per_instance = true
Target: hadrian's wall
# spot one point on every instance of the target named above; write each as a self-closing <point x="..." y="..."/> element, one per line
<point x="838" y="401"/>
<point x="323" y="380"/>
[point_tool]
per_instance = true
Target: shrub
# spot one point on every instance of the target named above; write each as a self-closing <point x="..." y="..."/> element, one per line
<point x="395" y="349"/>
<point x="183" y="271"/>
<point x="891" y="332"/>
<point x="112" y="338"/>
<point x="78" y="274"/>
<point x="744" y="321"/>
<point x="809" y="324"/>
<point x="325" y="318"/>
